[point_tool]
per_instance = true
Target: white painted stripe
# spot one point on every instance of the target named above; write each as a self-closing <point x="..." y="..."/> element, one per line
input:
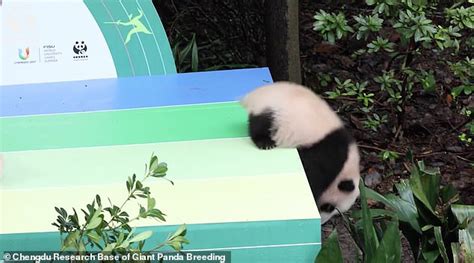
<point x="253" y="247"/>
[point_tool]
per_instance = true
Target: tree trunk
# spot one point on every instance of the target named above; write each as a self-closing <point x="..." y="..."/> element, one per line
<point x="282" y="39"/>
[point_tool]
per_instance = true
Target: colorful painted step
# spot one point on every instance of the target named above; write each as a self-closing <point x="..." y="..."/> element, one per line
<point x="64" y="142"/>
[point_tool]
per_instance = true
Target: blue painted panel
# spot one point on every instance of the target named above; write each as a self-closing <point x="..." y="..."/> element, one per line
<point x="130" y="93"/>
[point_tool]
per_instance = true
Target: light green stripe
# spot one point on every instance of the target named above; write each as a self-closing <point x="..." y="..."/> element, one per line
<point x="198" y="122"/>
<point x="104" y="165"/>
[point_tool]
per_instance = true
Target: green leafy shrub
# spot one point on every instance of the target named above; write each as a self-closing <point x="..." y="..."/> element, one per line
<point x="331" y="26"/>
<point x="376" y="242"/>
<point x="429" y="215"/>
<point x="186" y="55"/>
<point x="400" y="32"/>
<point x="107" y="228"/>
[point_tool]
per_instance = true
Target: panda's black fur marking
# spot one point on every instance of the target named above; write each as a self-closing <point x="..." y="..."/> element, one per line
<point x="260" y="129"/>
<point x="327" y="207"/>
<point x="331" y="154"/>
<point x="346" y="186"/>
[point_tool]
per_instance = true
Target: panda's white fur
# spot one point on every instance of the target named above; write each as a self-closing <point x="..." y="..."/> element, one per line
<point x="299" y="113"/>
<point x="301" y="119"/>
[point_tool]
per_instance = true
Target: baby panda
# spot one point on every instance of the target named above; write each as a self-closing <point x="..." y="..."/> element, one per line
<point x="288" y="115"/>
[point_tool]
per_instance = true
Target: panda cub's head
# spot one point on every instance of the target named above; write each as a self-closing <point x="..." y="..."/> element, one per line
<point x="284" y="114"/>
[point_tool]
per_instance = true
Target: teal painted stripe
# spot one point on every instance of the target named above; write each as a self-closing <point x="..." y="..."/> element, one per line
<point x="134" y="46"/>
<point x="147" y="52"/>
<point x="279" y="237"/>
<point x="299" y="254"/>
<point x="156" y="45"/>
<point x="198" y="122"/>
<point x="112" y="34"/>
<point x="45" y="168"/>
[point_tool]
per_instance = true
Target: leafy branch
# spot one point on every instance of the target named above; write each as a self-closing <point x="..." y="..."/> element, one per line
<point x="115" y="235"/>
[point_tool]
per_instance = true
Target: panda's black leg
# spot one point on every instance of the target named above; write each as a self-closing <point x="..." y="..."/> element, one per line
<point x="260" y="130"/>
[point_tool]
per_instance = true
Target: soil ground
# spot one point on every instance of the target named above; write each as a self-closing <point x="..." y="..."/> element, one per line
<point x="230" y="34"/>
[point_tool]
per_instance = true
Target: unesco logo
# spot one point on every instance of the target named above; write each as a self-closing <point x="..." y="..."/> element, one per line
<point x="80" y="48"/>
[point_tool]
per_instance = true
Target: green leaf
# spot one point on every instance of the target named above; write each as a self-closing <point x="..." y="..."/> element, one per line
<point x="417" y="188"/>
<point x="467" y="246"/>
<point x="95" y="220"/>
<point x="464" y="213"/>
<point x="440" y="242"/>
<point x="375" y="213"/>
<point x="150" y="202"/>
<point x="109" y="248"/>
<point x="430" y="256"/>
<point x="404" y="209"/>
<point x="456" y="248"/>
<point x="370" y="2"/>
<point x="194" y="55"/>
<point x="141" y="236"/>
<point x="153" y="162"/>
<point x="449" y="194"/>
<point x="370" y="237"/>
<point x="94" y="237"/>
<point x="177" y="243"/>
<point x="155" y="213"/>
<point x="389" y="249"/>
<point x="330" y="251"/>
<point x="181" y="231"/>
<point x="138" y="185"/>
<point x="70" y="240"/>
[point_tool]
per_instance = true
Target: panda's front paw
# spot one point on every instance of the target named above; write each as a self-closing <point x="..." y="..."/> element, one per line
<point x="265" y="144"/>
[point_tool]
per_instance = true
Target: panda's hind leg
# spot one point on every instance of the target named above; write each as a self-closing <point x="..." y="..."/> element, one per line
<point x="261" y="129"/>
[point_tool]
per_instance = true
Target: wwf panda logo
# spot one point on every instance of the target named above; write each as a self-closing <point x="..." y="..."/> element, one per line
<point x="80" y="47"/>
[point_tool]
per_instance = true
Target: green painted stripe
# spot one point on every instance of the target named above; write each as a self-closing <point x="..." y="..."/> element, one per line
<point x="197" y="122"/>
<point x="186" y="160"/>
<point x="261" y="235"/>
